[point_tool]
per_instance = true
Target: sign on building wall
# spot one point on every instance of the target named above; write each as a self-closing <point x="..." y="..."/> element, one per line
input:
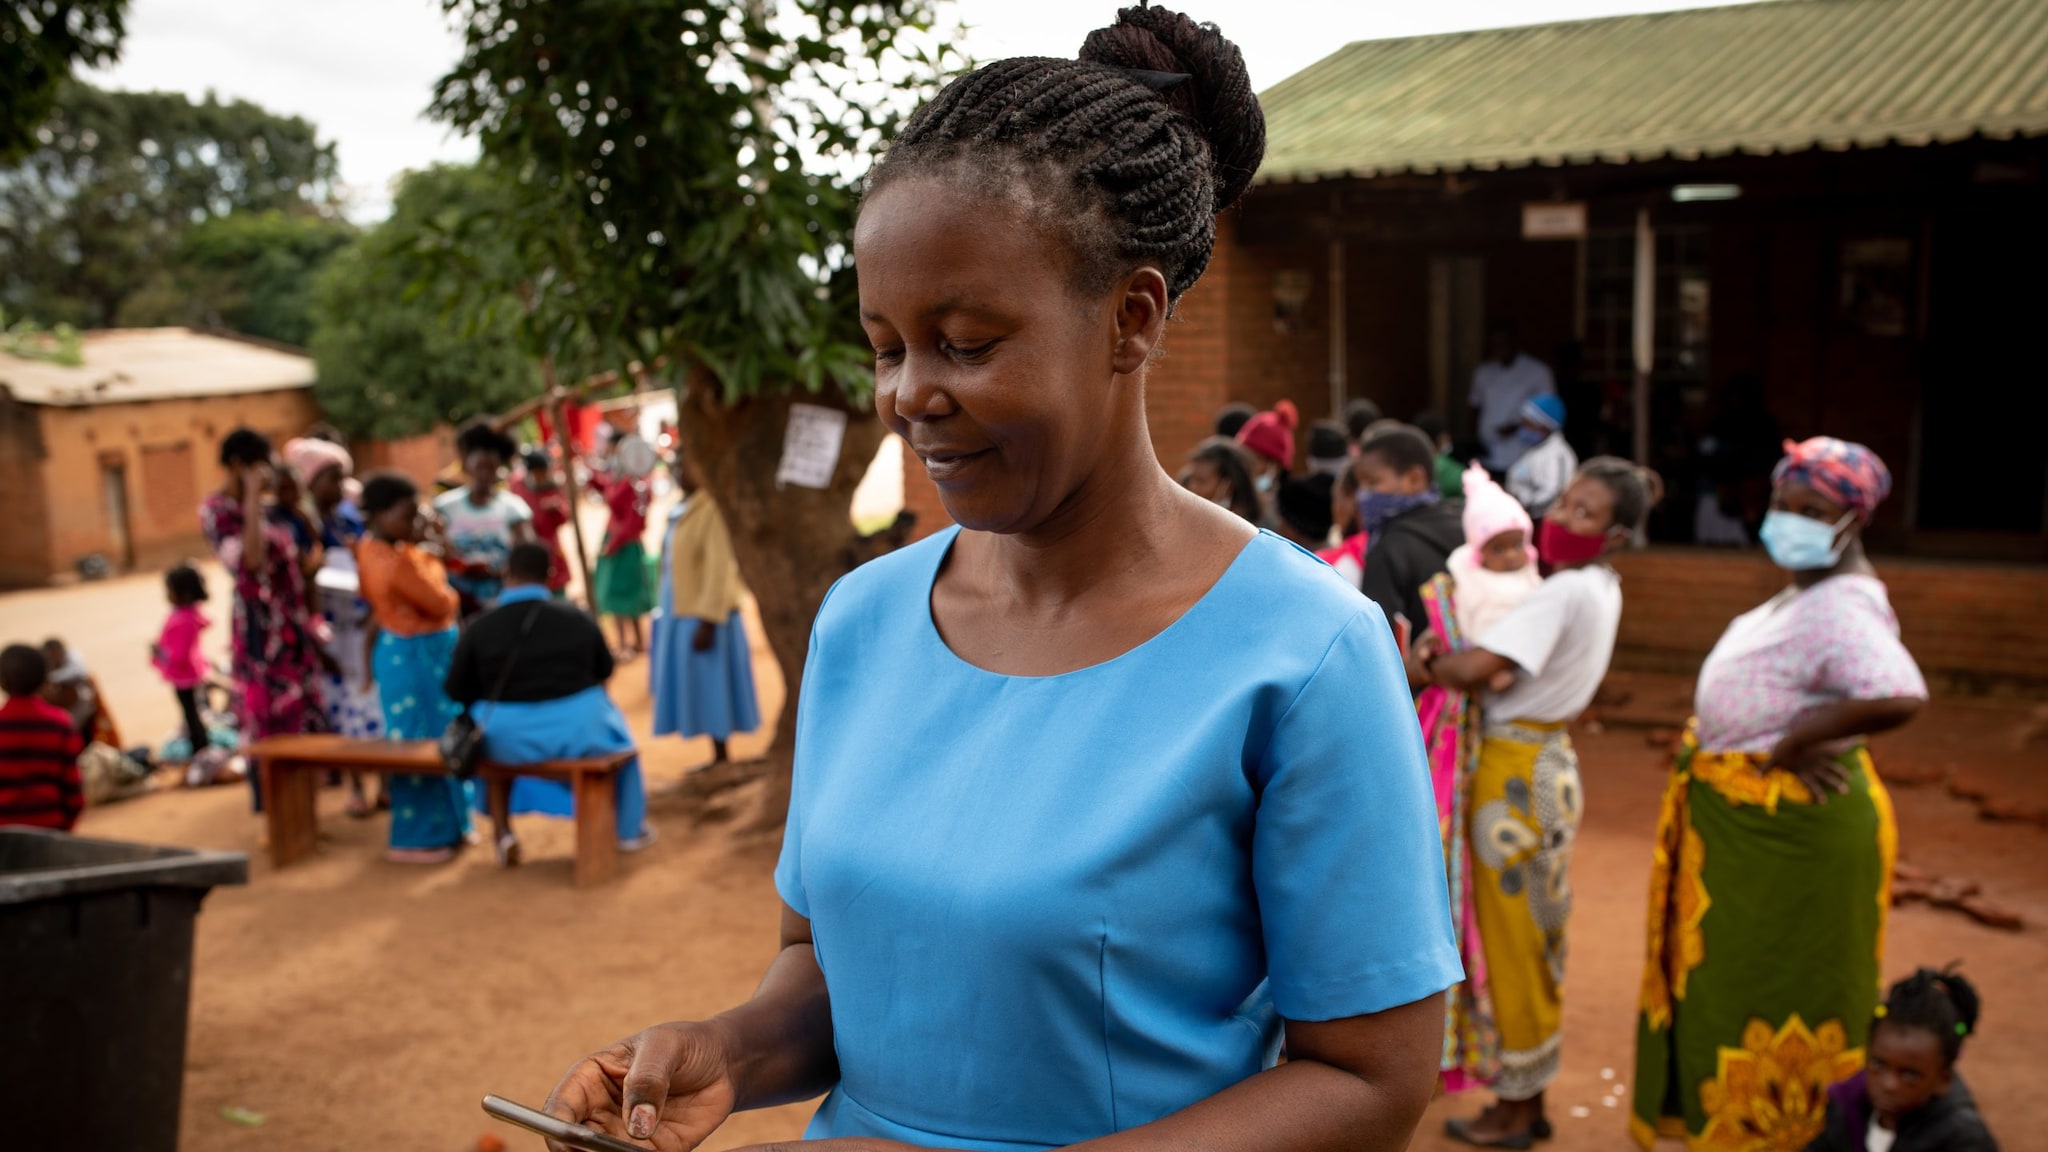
<point x="1554" y="220"/>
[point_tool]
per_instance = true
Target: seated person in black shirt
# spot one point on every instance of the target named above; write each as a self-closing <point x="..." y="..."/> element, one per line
<point x="532" y="672"/>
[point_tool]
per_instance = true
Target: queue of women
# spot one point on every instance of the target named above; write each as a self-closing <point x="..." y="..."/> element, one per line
<point x="364" y="609"/>
<point x="1104" y="797"/>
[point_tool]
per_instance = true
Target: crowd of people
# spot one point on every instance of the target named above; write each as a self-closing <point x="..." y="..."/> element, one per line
<point x="365" y="608"/>
<point x="1502" y="600"/>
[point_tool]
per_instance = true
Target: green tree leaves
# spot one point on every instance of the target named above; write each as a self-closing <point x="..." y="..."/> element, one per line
<point x="40" y="40"/>
<point x="252" y="272"/>
<point x="694" y="163"/>
<point x="396" y="353"/>
<point x="98" y="207"/>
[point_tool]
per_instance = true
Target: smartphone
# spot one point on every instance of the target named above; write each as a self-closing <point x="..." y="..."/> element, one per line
<point x="560" y="1131"/>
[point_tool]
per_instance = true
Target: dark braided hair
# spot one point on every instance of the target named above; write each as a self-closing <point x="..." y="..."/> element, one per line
<point x="1940" y="1002"/>
<point x="1127" y="176"/>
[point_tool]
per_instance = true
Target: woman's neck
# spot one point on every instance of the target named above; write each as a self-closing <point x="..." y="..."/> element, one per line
<point x="1120" y="519"/>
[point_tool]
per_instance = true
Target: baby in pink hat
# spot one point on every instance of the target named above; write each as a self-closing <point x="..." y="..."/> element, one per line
<point x="1495" y="568"/>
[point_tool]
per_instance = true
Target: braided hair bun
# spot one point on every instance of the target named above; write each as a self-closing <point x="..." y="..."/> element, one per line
<point x="1219" y="98"/>
<point x="1124" y="167"/>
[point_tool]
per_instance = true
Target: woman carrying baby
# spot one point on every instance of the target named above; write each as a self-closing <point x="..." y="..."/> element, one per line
<point x="1488" y="577"/>
<point x="1538" y="664"/>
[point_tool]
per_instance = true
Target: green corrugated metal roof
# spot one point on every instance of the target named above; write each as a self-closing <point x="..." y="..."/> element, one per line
<point x="1779" y="76"/>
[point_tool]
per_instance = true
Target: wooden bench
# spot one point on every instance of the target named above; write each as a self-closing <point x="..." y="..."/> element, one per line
<point x="290" y="768"/>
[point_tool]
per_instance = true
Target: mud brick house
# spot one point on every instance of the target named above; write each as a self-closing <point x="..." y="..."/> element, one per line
<point x="1840" y="204"/>
<point x="111" y="458"/>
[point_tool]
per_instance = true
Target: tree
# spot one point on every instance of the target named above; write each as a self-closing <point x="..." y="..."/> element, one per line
<point x="252" y="272"/>
<point x="40" y="40"/>
<point x="695" y="167"/>
<point x="395" y="356"/>
<point x="97" y="208"/>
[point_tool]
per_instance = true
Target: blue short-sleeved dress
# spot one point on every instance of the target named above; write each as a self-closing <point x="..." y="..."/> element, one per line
<point x="1051" y="908"/>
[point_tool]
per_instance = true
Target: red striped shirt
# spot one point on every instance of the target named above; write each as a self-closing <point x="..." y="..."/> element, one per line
<point x="39" y="749"/>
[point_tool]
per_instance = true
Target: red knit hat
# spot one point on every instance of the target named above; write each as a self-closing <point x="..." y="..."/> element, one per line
<point x="1271" y="434"/>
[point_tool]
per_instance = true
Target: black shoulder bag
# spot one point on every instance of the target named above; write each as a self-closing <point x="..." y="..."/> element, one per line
<point x="462" y="742"/>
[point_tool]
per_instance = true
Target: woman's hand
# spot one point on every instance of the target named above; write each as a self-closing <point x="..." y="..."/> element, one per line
<point x="1821" y="772"/>
<point x="707" y="635"/>
<point x="1415" y="657"/>
<point x="670" y="1085"/>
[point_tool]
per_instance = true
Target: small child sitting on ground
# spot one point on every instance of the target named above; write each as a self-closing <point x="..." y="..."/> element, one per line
<point x="1495" y="568"/>
<point x="39" y="747"/>
<point x="1909" y="1097"/>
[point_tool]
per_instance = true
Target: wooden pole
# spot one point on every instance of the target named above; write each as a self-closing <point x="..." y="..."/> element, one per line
<point x="560" y="410"/>
<point x="1645" y="331"/>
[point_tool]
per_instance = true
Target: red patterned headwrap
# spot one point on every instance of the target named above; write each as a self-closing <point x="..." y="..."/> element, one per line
<point x="1848" y="474"/>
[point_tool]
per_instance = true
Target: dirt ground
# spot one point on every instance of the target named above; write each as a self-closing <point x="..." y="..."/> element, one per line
<point x="360" y="1005"/>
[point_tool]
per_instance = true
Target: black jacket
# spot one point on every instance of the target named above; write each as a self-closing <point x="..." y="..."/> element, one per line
<point x="1408" y="552"/>
<point x="1947" y="1123"/>
<point x="562" y="655"/>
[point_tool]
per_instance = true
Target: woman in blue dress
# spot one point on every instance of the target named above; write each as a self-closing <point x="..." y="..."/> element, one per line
<point x="1104" y="794"/>
<point x="703" y="675"/>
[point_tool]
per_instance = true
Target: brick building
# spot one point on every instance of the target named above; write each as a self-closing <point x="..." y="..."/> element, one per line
<point x="111" y="458"/>
<point x="1835" y="204"/>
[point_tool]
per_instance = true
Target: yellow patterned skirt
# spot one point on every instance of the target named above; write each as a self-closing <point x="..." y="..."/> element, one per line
<point x="1766" y="937"/>
<point x="1524" y="813"/>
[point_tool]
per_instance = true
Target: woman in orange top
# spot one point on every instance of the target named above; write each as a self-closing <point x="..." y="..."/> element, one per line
<point x="408" y="592"/>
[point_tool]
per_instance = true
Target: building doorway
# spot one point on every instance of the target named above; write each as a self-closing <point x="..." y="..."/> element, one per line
<point x="1983" y="467"/>
<point x="1457" y="335"/>
<point x="114" y="490"/>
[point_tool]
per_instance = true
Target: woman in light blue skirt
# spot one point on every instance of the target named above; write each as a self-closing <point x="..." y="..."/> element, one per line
<point x="702" y="676"/>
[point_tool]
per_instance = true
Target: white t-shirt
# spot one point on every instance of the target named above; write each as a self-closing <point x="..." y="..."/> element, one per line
<point x="1878" y="1138"/>
<point x="482" y="534"/>
<point x="1837" y="640"/>
<point x="1562" y="639"/>
<point x="1542" y="475"/>
<point x="1498" y="392"/>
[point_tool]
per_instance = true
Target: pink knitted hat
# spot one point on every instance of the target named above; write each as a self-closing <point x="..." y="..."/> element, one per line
<point x="1490" y="511"/>
<point x="1271" y="434"/>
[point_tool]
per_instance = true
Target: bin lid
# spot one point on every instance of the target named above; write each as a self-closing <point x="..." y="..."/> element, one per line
<point x="44" y="864"/>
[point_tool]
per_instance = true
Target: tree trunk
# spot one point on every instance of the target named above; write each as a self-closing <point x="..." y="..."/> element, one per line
<point x="792" y="542"/>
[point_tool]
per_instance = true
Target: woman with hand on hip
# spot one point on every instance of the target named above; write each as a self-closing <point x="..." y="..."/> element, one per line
<point x="1771" y="878"/>
<point x="1103" y="794"/>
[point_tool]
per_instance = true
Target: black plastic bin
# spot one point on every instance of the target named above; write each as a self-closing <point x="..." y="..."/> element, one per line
<point x="95" y="983"/>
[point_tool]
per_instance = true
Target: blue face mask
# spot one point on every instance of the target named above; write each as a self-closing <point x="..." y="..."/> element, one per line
<point x="1376" y="508"/>
<point x="1799" y="544"/>
<point x="1530" y="436"/>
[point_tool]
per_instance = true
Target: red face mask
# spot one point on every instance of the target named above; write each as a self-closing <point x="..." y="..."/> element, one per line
<point x="1560" y="547"/>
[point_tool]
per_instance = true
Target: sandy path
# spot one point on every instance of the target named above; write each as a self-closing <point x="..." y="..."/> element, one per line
<point x="359" y="1005"/>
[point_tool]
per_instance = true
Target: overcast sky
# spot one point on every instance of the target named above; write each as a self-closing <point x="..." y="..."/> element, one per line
<point x="363" y="70"/>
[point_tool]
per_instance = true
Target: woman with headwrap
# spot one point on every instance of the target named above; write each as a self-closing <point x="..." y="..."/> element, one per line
<point x="621" y="583"/>
<point x="1771" y="875"/>
<point x="347" y="693"/>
